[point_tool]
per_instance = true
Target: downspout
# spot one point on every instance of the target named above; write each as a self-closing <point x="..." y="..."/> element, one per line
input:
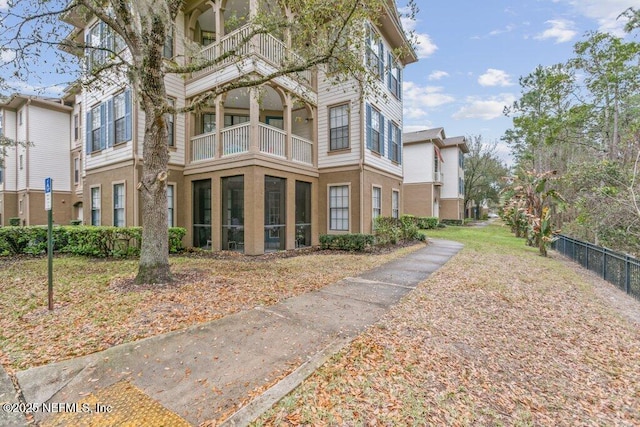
<point x="27" y="208"/>
<point x="363" y="142"/>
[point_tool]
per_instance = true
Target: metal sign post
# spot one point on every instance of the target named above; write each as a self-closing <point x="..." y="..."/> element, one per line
<point x="48" y="183"/>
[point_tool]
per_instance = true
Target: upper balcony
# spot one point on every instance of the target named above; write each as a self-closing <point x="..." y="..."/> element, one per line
<point x="221" y="29"/>
<point x="266" y="121"/>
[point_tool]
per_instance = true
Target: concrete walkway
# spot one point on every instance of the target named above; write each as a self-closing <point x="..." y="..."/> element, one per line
<point x="197" y="374"/>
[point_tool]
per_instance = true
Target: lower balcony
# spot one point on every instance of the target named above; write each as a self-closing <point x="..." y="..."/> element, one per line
<point x="235" y="140"/>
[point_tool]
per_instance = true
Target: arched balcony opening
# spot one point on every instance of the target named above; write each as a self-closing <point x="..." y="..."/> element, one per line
<point x="265" y="120"/>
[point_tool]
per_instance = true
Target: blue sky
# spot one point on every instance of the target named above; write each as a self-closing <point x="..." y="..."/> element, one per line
<point x="472" y="54"/>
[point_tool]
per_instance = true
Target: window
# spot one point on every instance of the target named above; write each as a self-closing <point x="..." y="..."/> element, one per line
<point x="461" y="159"/>
<point x="95" y="206"/>
<point x="170" y="204"/>
<point x="339" y="127"/>
<point x="208" y="122"/>
<point x="395" y="204"/>
<point x="109" y="122"/>
<point x="167" y="50"/>
<point x="20" y="118"/>
<point x="96" y="125"/>
<point x="76" y="127"/>
<point x="119" y="118"/>
<point x="394" y="80"/>
<point x="118" y="205"/>
<point x="461" y="185"/>
<point x="1" y="174"/>
<point x="394" y="142"/>
<point x="20" y="205"/>
<point x="76" y="170"/>
<point x="207" y="37"/>
<point x="339" y="208"/>
<point x="375" y="130"/>
<point x="376" y="202"/>
<point x="375" y="51"/>
<point x="102" y="43"/>
<point x="21" y="162"/>
<point x="171" y="124"/>
<point x="234" y="119"/>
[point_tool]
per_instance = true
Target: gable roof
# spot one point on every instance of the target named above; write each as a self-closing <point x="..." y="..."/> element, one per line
<point x="435" y="135"/>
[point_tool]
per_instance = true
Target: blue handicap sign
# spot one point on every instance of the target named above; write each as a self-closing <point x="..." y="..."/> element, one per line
<point x="47" y="185"/>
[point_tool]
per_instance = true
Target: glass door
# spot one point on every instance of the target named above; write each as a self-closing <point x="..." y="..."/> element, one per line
<point x="274" y="213"/>
<point x="202" y="213"/>
<point x="233" y="213"/>
<point x="303" y="214"/>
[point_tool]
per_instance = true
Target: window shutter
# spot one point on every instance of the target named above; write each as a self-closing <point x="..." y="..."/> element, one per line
<point x="382" y="138"/>
<point x="88" y="124"/>
<point x="110" y="123"/>
<point x="381" y="60"/>
<point x="389" y="71"/>
<point x="400" y="145"/>
<point x="128" y="124"/>
<point x="369" y="145"/>
<point x="87" y="51"/>
<point x="399" y="82"/>
<point x="390" y="152"/>
<point x="103" y="127"/>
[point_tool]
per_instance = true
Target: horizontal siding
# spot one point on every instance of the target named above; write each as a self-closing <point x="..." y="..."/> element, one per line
<point x="49" y="155"/>
<point x="21" y="135"/>
<point x="330" y="95"/>
<point x="175" y="89"/>
<point x="451" y="173"/>
<point x="391" y="109"/>
<point x="9" y="130"/>
<point x="418" y="163"/>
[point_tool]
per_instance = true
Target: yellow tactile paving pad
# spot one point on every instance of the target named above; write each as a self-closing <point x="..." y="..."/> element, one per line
<point x="121" y="405"/>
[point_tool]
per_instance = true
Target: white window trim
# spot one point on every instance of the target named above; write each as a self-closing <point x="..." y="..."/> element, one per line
<point x="373" y="217"/>
<point x="338" y="184"/>
<point x="395" y="191"/>
<point x="347" y="105"/>
<point x="175" y="205"/>
<point x="99" y="187"/>
<point x="124" y="201"/>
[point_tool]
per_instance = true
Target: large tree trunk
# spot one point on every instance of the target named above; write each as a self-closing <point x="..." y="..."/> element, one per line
<point x="154" y="254"/>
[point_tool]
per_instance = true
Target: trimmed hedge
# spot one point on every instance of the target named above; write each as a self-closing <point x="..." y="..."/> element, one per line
<point x="347" y="242"/>
<point x="390" y="230"/>
<point x="99" y="242"/>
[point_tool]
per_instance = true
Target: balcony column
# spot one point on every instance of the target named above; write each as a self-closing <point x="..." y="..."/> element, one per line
<point x="218" y="9"/>
<point x="287" y="31"/>
<point x="287" y="125"/>
<point x="313" y="111"/>
<point x="219" y="107"/>
<point x="253" y="9"/>
<point x="254" y="120"/>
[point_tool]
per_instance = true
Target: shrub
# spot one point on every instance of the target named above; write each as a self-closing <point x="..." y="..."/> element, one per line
<point x="347" y="242"/>
<point x="75" y="222"/>
<point x="410" y="229"/>
<point x="452" y="221"/>
<point x="428" y="222"/>
<point x="14" y="222"/>
<point x="100" y="242"/>
<point x="387" y="230"/>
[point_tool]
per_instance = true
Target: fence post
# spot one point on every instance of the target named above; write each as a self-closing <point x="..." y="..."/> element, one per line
<point x="587" y="247"/>
<point x="627" y="274"/>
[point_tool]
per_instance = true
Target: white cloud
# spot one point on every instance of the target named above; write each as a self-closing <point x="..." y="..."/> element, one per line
<point x="494" y="77"/>
<point x="4" y="4"/>
<point x="485" y="109"/>
<point x="437" y="75"/>
<point x="561" y="30"/>
<point x="604" y="12"/>
<point x="425" y="46"/>
<point x="426" y="124"/>
<point x="418" y="99"/>
<point x="509" y="28"/>
<point x="7" y="55"/>
<point x="29" y="89"/>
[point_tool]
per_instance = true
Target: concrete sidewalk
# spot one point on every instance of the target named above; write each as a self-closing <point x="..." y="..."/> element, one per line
<point x="200" y="373"/>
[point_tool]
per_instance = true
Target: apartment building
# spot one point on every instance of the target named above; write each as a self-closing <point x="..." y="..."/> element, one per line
<point x="41" y="125"/>
<point x="259" y="169"/>
<point x="434" y="174"/>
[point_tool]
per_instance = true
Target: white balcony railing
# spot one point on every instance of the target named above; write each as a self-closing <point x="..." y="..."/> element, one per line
<point x="266" y="46"/>
<point x="302" y="150"/>
<point x="438" y="176"/>
<point x="273" y="141"/>
<point x="235" y="139"/>
<point x="203" y="147"/>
